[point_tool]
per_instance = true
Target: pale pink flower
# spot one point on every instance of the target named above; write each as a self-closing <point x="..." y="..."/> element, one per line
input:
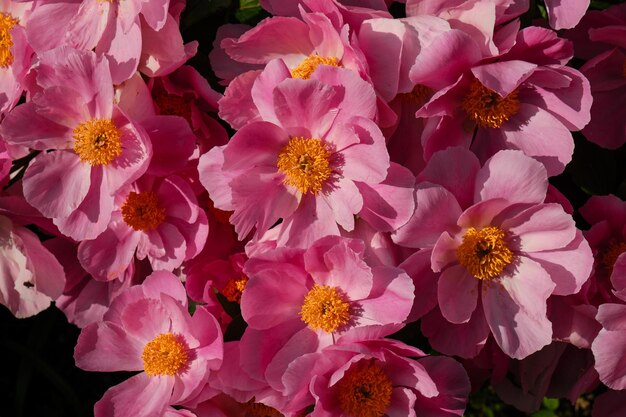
<point x="315" y="161"/>
<point x="141" y="325"/>
<point x="97" y="148"/>
<point x="499" y="249"/>
<point x="31" y="276"/>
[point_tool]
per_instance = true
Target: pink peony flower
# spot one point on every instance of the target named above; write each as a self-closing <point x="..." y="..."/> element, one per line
<point x="315" y="161"/>
<point x="158" y="219"/>
<point x="375" y="377"/>
<point x="15" y="52"/>
<point x="331" y="293"/>
<point x="128" y="34"/>
<point x="609" y="347"/>
<point x="97" y="149"/>
<point x="506" y="102"/>
<point x="148" y="329"/>
<point x="499" y="249"/>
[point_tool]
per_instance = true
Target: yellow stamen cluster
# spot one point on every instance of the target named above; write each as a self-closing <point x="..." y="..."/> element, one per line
<point x="484" y="253"/>
<point x="487" y="108"/>
<point x="365" y="390"/>
<point x="234" y="288"/>
<point x="325" y="308"/>
<point x="97" y="141"/>
<point x="305" y="163"/>
<point x="310" y="64"/>
<point x="613" y="250"/>
<point x="166" y="354"/>
<point x="6" y="41"/>
<point x="141" y="211"/>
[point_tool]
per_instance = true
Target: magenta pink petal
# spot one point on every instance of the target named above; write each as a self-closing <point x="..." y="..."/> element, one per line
<point x="515" y="308"/>
<point x="56" y="183"/>
<point x="455" y="169"/>
<point x="444" y="336"/>
<point x="417" y="266"/>
<point x="457" y="294"/>
<point x="569" y="266"/>
<point x="256" y="144"/>
<point x="512" y="176"/>
<point x="389" y="204"/>
<point x="107" y="347"/>
<point x="286" y="297"/>
<point x="505" y="76"/>
<point x="436" y="212"/>
<point x="541" y="227"/>
<point x="139" y="396"/>
<point x="609" y="347"/>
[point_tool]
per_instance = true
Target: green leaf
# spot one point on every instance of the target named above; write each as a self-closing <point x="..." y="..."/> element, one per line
<point x="551" y="403"/>
<point x="248" y="10"/>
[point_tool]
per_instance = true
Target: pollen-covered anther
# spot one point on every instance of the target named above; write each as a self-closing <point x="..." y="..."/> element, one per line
<point x="6" y="41"/>
<point x="141" y="211"/>
<point x="166" y="354"/>
<point x="306" y="68"/>
<point x="234" y="288"/>
<point x="609" y="255"/>
<point x="305" y="163"/>
<point x="97" y="141"/>
<point x="484" y="253"/>
<point x="365" y="390"/>
<point x="487" y="108"/>
<point x="325" y="308"/>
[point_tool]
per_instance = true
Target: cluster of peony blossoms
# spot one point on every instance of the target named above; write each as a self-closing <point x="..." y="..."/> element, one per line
<point x="264" y="252"/>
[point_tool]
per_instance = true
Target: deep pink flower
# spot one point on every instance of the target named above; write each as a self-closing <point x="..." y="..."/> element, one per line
<point x="499" y="249"/>
<point x="148" y="329"/>
<point x="609" y="347"/>
<point x="331" y="292"/>
<point x="97" y="148"/>
<point x="599" y="38"/>
<point x="158" y="219"/>
<point x="507" y="102"/>
<point x="376" y="377"/>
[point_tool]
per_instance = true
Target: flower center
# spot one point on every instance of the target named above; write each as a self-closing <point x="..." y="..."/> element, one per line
<point x="97" y="141"/>
<point x="614" y="249"/>
<point x="484" y="252"/>
<point x="166" y="354"/>
<point x="234" y="288"/>
<point x="6" y="41"/>
<point x="141" y="211"/>
<point x="254" y="409"/>
<point x="419" y="95"/>
<point x="305" y="163"/>
<point x="364" y="390"/>
<point x="310" y="64"/>
<point x="487" y="108"/>
<point x="173" y="105"/>
<point x="325" y="308"/>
